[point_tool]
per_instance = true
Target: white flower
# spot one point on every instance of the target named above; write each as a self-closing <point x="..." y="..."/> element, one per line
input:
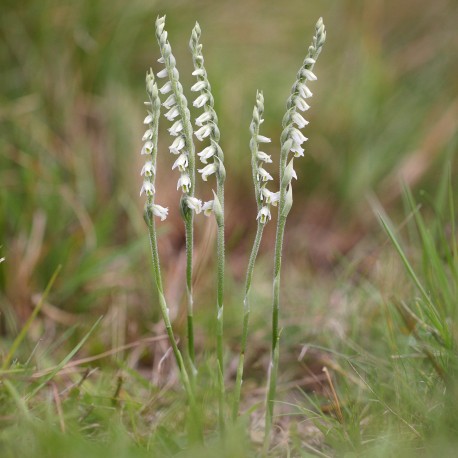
<point x="148" y="119"/>
<point x="161" y="60"/>
<point x="263" y="175"/>
<point x="194" y="204"/>
<point x="177" y="145"/>
<point x="207" y="153"/>
<point x="207" y="208"/>
<point x="184" y="182"/>
<point x="147" y="148"/>
<point x="297" y="150"/>
<point x="207" y="170"/>
<point x="162" y="212"/>
<point x="301" y="104"/>
<point x="166" y="88"/>
<point x="203" y="132"/>
<point x="309" y="61"/>
<point x="264" y="215"/>
<point x="148" y="169"/>
<point x="147" y="188"/>
<point x="172" y="113"/>
<point x="271" y="197"/>
<point x="176" y="128"/>
<point x="199" y="86"/>
<point x="181" y="163"/>
<point x="264" y="157"/>
<point x="162" y="73"/>
<point x="204" y="117"/>
<point x="297" y="136"/>
<point x="309" y="74"/>
<point x="148" y="135"/>
<point x="305" y="91"/>
<point x="198" y="72"/>
<point x="201" y="100"/>
<point x="170" y="101"/>
<point x="262" y="139"/>
<point x="299" y="120"/>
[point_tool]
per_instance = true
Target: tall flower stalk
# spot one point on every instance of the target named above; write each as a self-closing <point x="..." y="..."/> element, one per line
<point x="213" y="158"/>
<point x="183" y="147"/>
<point x="291" y="142"/>
<point x="152" y="209"/>
<point x="264" y="198"/>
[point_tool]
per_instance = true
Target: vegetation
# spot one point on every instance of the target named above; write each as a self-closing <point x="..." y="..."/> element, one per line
<point x="370" y="273"/>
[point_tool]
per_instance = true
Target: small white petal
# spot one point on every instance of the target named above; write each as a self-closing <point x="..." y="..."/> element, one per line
<point x="148" y="135"/>
<point x="170" y="101"/>
<point x="160" y="211"/>
<point x="264" y="157"/>
<point x="176" y="128"/>
<point x="181" y="163"/>
<point x="161" y="60"/>
<point x="203" y="118"/>
<point x="262" y="139"/>
<point x="203" y="132"/>
<point x="264" y="215"/>
<point x="309" y="61"/>
<point x="149" y="119"/>
<point x="147" y="148"/>
<point x="301" y="104"/>
<point x="201" y="100"/>
<point x="297" y="136"/>
<point x="297" y="150"/>
<point x="299" y="120"/>
<point x="184" y="182"/>
<point x="263" y="175"/>
<point x="162" y="74"/>
<point x="207" y="170"/>
<point x="199" y="86"/>
<point x="172" y="113"/>
<point x="309" y="75"/>
<point x="207" y="153"/>
<point x="177" y="145"/>
<point x="271" y="197"/>
<point x="166" y="88"/>
<point x="198" y="72"/>
<point x="194" y="204"/>
<point x="148" y="169"/>
<point x="207" y="208"/>
<point x="147" y="188"/>
<point x="305" y="91"/>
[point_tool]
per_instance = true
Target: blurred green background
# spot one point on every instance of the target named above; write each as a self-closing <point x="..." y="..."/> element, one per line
<point x="71" y="107"/>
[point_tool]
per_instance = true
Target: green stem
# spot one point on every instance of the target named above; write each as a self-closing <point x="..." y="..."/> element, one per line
<point x="189" y="227"/>
<point x="220" y="305"/>
<point x="275" y="351"/>
<point x="246" y="316"/>
<point x="189" y="218"/>
<point x="196" y="427"/>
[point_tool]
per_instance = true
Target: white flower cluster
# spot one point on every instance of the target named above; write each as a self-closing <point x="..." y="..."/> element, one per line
<point x="178" y="114"/>
<point x="207" y="122"/>
<point x="149" y="148"/>
<point x="292" y="138"/>
<point x="264" y="197"/>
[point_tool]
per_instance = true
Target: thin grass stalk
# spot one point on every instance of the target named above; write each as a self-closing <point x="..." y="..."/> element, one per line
<point x="186" y="212"/>
<point x="291" y="139"/>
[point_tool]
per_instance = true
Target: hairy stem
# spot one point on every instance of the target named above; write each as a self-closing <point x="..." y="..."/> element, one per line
<point x="246" y="316"/>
